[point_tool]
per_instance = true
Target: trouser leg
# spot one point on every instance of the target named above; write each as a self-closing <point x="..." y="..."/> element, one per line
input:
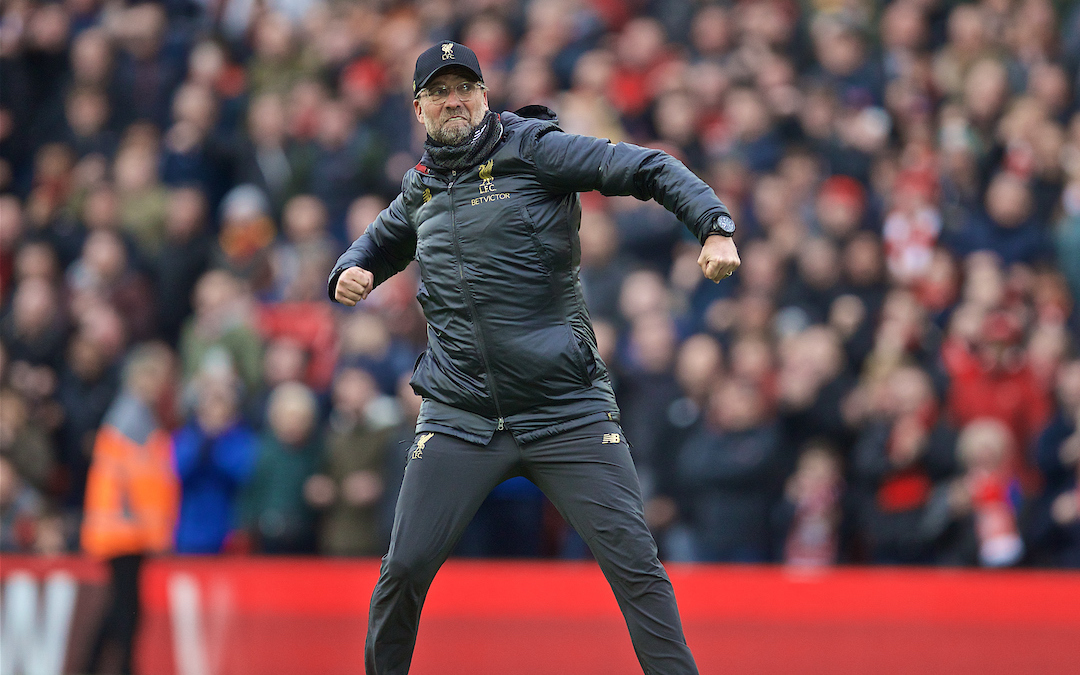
<point x="122" y="618"/>
<point x="591" y="479"/>
<point x="444" y="484"/>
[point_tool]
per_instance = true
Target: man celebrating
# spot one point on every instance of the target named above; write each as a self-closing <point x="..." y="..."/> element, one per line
<point x="512" y="382"/>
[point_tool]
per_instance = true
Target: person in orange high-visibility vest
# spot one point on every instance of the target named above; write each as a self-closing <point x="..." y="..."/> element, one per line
<point x="132" y="496"/>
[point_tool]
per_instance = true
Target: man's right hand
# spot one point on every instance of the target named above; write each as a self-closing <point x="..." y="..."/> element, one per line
<point x="353" y="285"/>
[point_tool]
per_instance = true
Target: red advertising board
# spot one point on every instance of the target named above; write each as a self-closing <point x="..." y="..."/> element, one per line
<point x="289" y="616"/>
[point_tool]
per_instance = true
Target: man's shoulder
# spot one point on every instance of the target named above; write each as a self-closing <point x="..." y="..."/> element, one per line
<point x="412" y="182"/>
<point x="530" y="118"/>
<point x="525" y="126"/>
<point x="541" y="113"/>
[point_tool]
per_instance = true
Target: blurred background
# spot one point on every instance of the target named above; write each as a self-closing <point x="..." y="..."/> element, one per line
<point x="891" y="378"/>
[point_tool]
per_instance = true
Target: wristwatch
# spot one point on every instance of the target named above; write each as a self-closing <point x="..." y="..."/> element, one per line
<point x="723" y="225"/>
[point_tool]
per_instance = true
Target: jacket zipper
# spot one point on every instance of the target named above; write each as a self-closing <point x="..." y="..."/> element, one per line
<point x="472" y="306"/>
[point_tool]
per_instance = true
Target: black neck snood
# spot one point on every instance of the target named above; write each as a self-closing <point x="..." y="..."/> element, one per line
<point x="470" y="152"/>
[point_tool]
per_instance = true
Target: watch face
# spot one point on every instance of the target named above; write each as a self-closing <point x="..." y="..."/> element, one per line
<point x="725" y="224"/>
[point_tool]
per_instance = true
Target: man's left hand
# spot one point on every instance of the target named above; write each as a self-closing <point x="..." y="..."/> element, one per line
<point x="718" y="258"/>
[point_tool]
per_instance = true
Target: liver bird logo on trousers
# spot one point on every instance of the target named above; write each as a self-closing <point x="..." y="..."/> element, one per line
<point x="418" y="452"/>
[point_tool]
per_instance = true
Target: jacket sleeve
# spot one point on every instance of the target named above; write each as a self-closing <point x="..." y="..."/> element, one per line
<point x="570" y="163"/>
<point x="384" y="249"/>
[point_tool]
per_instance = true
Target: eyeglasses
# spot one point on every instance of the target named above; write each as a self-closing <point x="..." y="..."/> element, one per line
<point x="465" y="92"/>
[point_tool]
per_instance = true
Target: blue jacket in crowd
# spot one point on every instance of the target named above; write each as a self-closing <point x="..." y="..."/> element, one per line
<point x="212" y="472"/>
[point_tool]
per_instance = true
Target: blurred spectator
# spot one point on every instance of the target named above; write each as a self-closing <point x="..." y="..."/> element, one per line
<point x="811" y="514"/>
<point x="266" y="157"/>
<point x="247" y="231"/>
<point x="192" y="153"/>
<point x="1068" y="229"/>
<point x="1065" y="512"/>
<point x="11" y="231"/>
<point x="840" y="207"/>
<point x="131" y="496"/>
<point x="699" y="364"/>
<point x="350" y="485"/>
<point x="88" y="384"/>
<point x="812" y="292"/>
<point x="86" y="112"/>
<point x="366" y="342"/>
<point x="646" y="389"/>
<point x="274" y="507"/>
<point x="103" y="273"/>
<point x="280" y="59"/>
<point x="210" y="66"/>
<point x="147" y="69"/>
<point x="221" y="324"/>
<point x="284" y="359"/>
<point x="905" y="448"/>
<point x="143" y="201"/>
<point x="1055" y="518"/>
<point x="24" y="443"/>
<point x="973" y="518"/>
<point x="1006" y="227"/>
<point x="100" y="210"/>
<point x="584" y="108"/>
<point x="342" y="159"/>
<point x="602" y="268"/>
<point x="730" y="471"/>
<point x="21" y="508"/>
<point x="911" y="230"/>
<point x="844" y="63"/>
<point x="308" y="327"/>
<point x="214" y="454"/>
<point x="756" y="144"/>
<point x="33" y="330"/>
<point x="510" y="524"/>
<point x="990" y="377"/>
<point x="37" y="260"/>
<point x="811" y="387"/>
<point x="47" y="31"/>
<point x="184" y="257"/>
<point x="300" y="261"/>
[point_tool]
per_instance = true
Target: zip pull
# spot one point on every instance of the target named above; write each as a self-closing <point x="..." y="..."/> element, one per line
<point x="502" y="425"/>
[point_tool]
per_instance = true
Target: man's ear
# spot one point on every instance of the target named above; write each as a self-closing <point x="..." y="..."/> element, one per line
<point x="419" y="110"/>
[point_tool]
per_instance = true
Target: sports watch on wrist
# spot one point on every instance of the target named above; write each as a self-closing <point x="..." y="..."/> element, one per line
<point x="723" y="225"/>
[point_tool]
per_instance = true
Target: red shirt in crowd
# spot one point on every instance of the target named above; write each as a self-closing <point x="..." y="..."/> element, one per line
<point x="1006" y="390"/>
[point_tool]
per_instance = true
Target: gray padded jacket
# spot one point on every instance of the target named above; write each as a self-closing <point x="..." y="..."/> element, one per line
<point x="510" y="343"/>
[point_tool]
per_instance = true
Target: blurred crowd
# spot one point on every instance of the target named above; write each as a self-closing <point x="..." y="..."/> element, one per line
<point x="892" y="376"/>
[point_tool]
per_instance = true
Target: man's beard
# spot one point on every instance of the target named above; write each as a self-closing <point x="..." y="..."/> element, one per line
<point x="455" y="135"/>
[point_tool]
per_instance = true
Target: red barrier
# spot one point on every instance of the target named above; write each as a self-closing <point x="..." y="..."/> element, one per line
<point x="264" y="616"/>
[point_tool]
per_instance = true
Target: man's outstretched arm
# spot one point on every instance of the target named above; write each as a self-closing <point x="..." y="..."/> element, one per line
<point x="382" y="251"/>
<point x="581" y="163"/>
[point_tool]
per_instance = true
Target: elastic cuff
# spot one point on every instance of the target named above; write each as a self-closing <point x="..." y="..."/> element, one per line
<point x="331" y="285"/>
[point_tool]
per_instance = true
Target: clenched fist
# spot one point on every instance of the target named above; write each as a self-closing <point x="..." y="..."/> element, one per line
<point x="353" y="285"/>
<point x="718" y="258"/>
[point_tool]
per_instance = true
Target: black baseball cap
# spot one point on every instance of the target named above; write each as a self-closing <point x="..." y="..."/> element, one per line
<point x="442" y="56"/>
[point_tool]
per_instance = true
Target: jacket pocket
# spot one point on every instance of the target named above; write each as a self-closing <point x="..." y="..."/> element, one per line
<point x="583" y="358"/>
<point x="538" y="246"/>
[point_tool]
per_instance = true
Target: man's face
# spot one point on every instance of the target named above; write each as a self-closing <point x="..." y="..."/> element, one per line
<point x="451" y="121"/>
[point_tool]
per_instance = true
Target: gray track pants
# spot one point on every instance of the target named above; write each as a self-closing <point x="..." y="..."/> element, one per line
<point x="589" y="476"/>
